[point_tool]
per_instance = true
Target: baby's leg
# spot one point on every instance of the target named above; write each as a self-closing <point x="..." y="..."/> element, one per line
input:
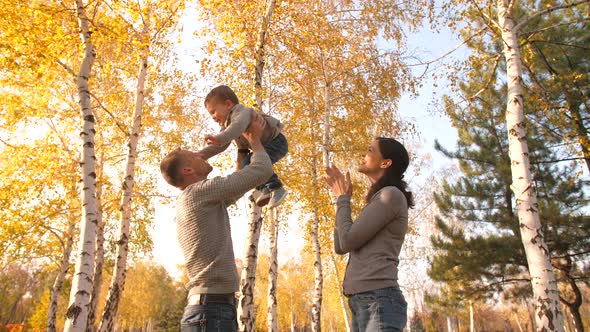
<point x="276" y="150"/>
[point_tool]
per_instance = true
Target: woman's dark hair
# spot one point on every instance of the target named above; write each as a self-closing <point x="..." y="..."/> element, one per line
<point x="394" y="174"/>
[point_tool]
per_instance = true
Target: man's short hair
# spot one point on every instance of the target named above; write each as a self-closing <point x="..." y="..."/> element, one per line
<point x="222" y="93"/>
<point x="170" y="168"/>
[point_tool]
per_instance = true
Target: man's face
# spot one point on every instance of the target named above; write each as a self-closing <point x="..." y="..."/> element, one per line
<point x="219" y="109"/>
<point x="191" y="160"/>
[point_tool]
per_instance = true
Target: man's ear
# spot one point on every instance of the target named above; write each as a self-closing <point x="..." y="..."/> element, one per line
<point x="228" y="103"/>
<point x="386" y="163"/>
<point x="187" y="170"/>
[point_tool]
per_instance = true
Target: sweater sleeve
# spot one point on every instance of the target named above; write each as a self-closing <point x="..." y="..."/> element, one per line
<point x="222" y="189"/>
<point x="240" y="120"/>
<point x="383" y="207"/>
<point x="337" y="248"/>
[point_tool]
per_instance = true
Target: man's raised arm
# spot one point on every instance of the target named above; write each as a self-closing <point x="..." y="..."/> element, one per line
<point x="255" y="174"/>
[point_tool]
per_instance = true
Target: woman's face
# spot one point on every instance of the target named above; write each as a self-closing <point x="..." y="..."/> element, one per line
<point x="372" y="162"/>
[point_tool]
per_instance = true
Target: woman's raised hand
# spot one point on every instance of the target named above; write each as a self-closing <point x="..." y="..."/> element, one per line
<point x="336" y="181"/>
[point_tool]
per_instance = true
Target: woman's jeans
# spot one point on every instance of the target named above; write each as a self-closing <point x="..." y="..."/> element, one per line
<point x="212" y="317"/>
<point x="378" y="310"/>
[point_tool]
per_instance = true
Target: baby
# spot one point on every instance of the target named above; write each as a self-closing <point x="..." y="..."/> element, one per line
<point x="224" y="107"/>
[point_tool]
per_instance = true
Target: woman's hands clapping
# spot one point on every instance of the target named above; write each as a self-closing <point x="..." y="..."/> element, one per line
<point x="336" y="181"/>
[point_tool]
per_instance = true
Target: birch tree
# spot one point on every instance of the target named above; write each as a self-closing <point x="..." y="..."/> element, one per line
<point x="343" y="301"/>
<point x="546" y="293"/>
<point x="59" y="279"/>
<point x="273" y="271"/>
<point x="77" y="314"/>
<point x="248" y="278"/>
<point x="99" y="254"/>
<point x="156" y="20"/>
<point x="118" y="281"/>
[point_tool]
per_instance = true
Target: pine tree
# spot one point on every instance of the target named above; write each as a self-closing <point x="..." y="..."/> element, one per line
<point x="556" y="67"/>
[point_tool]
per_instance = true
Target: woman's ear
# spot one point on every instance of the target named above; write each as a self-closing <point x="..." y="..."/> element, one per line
<point x="386" y="163"/>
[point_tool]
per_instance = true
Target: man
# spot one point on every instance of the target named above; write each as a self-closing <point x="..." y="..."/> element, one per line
<point x="204" y="231"/>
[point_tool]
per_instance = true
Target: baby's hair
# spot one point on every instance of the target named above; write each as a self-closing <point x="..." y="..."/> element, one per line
<point x="222" y="93"/>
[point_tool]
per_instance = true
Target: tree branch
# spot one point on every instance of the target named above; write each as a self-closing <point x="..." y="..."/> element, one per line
<point x="486" y="16"/>
<point x="66" y="67"/>
<point x="109" y="113"/>
<point x="492" y="75"/>
<point x="8" y="144"/>
<point x="555" y="161"/>
<point x="451" y="51"/>
<point x="546" y="11"/>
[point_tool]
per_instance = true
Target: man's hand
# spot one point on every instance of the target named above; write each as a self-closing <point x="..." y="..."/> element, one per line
<point x="254" y="132"/>
<point x="211" y="140"/>
<point x="337" y="182"/>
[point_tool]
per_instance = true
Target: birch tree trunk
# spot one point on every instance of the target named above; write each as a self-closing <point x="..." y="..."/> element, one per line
<point x="546" y="296"/>
<point x="291" y="312"/>
<point x="261" y="54"/>
<point x="530" y="310"/>
<point x="77" y="313"/>
<point x="99" y="256"/>
<point x="273" y="324"/>
<point x="327" y="106"/>
<point x="449" y="325"/>
<point x="471" y="322"/>
<point x="248" y="279"/>
<point x="59" y="279"/>
<point x="316" y="309"/>
<point x="118" y="280"/>
<point x="341" y="295"/>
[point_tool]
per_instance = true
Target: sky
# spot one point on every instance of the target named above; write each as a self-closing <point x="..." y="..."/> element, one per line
<point x="431" y="126"/>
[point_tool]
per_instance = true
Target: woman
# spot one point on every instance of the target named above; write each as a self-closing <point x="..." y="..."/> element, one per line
<point x="375" y="238"/>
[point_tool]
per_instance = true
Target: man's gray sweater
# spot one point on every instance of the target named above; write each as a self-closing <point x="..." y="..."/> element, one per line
<point x="203" y="227"/>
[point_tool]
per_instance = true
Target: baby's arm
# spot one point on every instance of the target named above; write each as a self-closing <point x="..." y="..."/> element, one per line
<point x="240" y="120"/>
<point x="212" y="150"/>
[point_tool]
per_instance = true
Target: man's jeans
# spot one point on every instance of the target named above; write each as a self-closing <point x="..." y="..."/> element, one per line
<point x="378" y="310"/>
<point x="276" y="149"/>
<point x="217" y="317"/>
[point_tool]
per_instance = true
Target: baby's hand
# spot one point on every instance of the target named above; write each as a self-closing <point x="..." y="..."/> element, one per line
<point x="211" y="140"/>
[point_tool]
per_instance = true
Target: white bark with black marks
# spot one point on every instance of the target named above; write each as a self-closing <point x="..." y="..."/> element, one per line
<point x="59" y="279"/>
<point x="273" y="323"/>
<point x="260" y="55"/>
<point x="548" y="314"/>
<point x="316" y="309"/>
<point x="345" y="313"/>
<point x="248" y="279"/>
<point x="119" y="274"/>
<point x="99" y="255"/>
<point x="77" y="313"/>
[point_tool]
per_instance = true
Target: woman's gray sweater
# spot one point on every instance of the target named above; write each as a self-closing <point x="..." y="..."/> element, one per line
<point x="374" y="240"/>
